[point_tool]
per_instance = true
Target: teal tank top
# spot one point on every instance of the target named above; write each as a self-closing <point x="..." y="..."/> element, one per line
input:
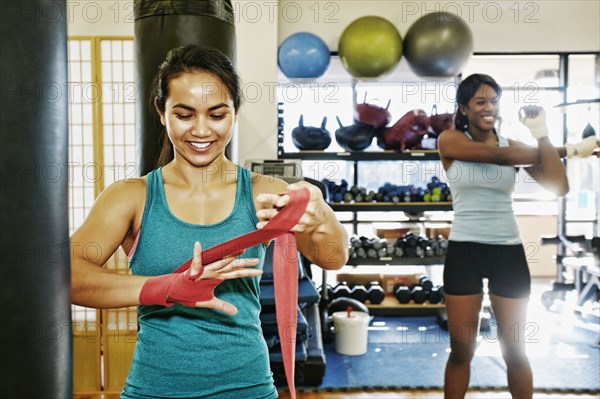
<point x="482" y="201"/>
<point x="184" y="352"/>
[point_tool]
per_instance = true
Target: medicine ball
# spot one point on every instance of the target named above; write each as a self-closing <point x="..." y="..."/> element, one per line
<point x="303" y="55"/>
<point x="370" y="47"/>
<point x="438" y="44"/>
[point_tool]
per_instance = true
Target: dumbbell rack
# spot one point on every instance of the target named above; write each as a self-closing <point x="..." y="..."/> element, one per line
<point x="389" y="306"/>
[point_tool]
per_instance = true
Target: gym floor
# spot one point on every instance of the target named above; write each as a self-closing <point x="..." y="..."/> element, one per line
<point x="386" y="395"/>
<point x="536" y="314"/>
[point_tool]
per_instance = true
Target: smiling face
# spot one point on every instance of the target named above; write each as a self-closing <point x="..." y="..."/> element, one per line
<point x="199" y="118"/>
<point x="482" y="110"/>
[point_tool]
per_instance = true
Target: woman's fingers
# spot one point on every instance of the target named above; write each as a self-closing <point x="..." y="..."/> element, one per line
<point x="230" y="267"/>
<point x="273" y="203"/>
<point x="266" y="214"/>
<point x="196" y="269"/>
<point x="273" y="200"/>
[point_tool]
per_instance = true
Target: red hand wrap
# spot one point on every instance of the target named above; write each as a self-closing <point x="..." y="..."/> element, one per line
<point x="167" y="289"/>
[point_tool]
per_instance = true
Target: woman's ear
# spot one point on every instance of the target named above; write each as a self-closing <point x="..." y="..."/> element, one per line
<point x="462" y="109"/>
<point x="160" y="113"/>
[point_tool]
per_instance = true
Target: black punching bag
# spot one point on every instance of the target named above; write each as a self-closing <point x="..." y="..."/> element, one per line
<point x="161" y="25"/>
<point x="35" y="325"/>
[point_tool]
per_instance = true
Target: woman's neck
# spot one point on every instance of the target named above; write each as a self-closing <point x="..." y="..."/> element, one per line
<point x="479" y="134"/>
<point x="219" y="171"/>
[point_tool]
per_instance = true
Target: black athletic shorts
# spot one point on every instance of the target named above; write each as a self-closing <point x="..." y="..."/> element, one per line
<point x="505" y="267"/>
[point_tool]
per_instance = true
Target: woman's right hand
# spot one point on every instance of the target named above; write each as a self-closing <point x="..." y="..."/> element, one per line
<point x="227" y="268"/>
<point x="195" y="286"/>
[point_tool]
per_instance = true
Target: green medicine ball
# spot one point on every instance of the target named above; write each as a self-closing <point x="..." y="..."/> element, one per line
<point x="370" y="47"/>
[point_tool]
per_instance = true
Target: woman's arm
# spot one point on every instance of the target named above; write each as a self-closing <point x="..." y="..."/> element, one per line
<point x="320" y="236"/>
<point x="96" y="241"/>
<point x="538" y="172"/>
<point x="454" y="145"/>
<point x="106" y="227"/>
<point x="326" y="242"/>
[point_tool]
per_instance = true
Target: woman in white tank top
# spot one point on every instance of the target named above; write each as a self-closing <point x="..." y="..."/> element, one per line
<point x="485" y="242"/>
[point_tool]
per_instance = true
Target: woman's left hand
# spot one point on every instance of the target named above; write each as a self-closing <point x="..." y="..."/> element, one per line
<point x="312" y="218"/>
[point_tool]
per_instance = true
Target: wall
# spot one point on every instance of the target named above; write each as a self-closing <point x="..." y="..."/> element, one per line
<point x="496" y="25"/>
<point x="261" y="24"/>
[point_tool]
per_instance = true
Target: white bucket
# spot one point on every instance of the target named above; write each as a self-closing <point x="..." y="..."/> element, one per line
<point x="351" y="334"/>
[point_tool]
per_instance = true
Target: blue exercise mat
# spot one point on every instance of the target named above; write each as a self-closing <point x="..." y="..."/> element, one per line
<point x="410" y="353"/>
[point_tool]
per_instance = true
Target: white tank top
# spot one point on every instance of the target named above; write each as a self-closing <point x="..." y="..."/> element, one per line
<point x="482" y="201"/>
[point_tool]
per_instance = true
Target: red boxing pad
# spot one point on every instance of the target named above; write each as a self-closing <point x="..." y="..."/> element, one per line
<point x="407" y="132"/>
<point x="440" y="122"/>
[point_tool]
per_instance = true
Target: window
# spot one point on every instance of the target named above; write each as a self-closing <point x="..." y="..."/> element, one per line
<point x="544" y="79"/>
<point x="102" y="99"/>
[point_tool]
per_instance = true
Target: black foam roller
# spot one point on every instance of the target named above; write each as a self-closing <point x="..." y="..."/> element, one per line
<point x="161" y="25"/>
<point x="35" y="326"/>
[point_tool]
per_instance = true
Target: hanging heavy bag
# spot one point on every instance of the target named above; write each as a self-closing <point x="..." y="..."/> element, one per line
<point x="161" y="25"/>
<point x="36" y="343"/>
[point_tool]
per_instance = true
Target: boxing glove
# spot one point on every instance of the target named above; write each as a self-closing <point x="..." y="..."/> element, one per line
<point x="372" y="115"/>
<point x="407" y="132"/>
<point x="440" y="122"/>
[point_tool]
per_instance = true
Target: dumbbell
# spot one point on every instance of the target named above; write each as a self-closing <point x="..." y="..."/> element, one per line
<point x="375" y="293"/>
<point x="439" y="246"/>
<point x="418" y="294"/>
<point x="402" y="293"/>
<point x="359" y="292"/>
<point x="372" y="253"/>
<point x="398" y="252"/>
<point x="426" y="283"/>
<point x="329" y="290"/>
<point x="436" y="295"/>
<point x="429" y="252"/>
<point x="342" y="290"/>
<point x="361" y="253"/>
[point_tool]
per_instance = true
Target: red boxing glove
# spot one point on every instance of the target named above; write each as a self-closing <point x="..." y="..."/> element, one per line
<point x="182" y="288"/>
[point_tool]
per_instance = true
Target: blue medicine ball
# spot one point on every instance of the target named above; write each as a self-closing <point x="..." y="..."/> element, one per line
<point x="303" y="55"/>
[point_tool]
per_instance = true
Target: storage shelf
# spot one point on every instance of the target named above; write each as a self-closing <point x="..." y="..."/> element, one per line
<point x="410" y="207"/>
<point x="390" y="302"/>
<point x="408" y="261"/>
<point x="414" y="155"/>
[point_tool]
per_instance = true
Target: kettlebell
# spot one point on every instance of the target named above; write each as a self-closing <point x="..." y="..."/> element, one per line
<point x="310" y="137"/>
<point x="372" y="115"/>
<point x="354" y="137"/>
